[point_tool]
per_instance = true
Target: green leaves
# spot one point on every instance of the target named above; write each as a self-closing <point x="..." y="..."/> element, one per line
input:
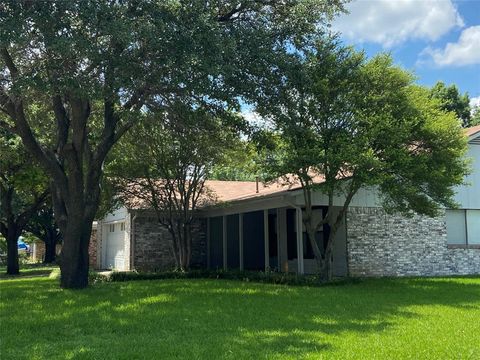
<point x="342" y="116"/>
<point x="23" y="184"/>
<point x="18" y="170"/>
<point x="451" y="100"/>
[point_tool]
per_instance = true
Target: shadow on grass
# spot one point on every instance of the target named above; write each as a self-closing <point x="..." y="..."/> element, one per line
<point x="33" y="271"/>
<point x="211" y="319"/>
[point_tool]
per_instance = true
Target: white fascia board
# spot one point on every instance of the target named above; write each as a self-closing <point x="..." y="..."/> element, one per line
<point x="244" y="206"/>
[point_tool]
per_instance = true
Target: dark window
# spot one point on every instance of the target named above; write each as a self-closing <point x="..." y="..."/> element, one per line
<point x="216" y="242"/>
<point x="463" y="227"/>
<point x="233" y="250"/>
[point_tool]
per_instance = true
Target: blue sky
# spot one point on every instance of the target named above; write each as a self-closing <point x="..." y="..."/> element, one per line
<point x="436" y="39"/>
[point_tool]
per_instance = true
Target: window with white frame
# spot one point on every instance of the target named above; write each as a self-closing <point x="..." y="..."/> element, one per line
<point x="112" y="227"/>
<point x="463" y="227"/>
<point x="122" y="226"/>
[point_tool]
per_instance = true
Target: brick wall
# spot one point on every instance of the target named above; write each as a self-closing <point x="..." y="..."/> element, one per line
<point x="152" y="245"/>
<point x="392" y="245"/>
<point x="38" y="253"/>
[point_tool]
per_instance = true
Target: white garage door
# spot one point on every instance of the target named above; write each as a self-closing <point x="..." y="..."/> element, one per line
<point x="115" y="252"/>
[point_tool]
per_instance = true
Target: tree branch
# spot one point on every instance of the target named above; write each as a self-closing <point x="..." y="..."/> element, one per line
<point x="63" y="122"/>
<point x="232" y="14"/>
<point x="9" y="62"/>
<point x="25" y="216"/>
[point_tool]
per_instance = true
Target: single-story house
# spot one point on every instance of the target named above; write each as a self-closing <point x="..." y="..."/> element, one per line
<point x="257" y="227"/>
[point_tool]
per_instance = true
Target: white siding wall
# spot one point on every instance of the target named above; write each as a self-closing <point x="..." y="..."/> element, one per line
<point x="468" y="196"/>
<point x="365" y="197"/>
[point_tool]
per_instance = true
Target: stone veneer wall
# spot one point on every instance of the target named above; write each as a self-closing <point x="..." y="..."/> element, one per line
<point x="152" y="246"/>
<point x="379" y="244"/>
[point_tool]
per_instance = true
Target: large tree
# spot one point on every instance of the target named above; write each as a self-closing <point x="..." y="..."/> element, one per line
<point x="23" y="190"/>
<point x="344" y="123"/>
<point x="96" y="65"/>
<point x="167" y="170"/>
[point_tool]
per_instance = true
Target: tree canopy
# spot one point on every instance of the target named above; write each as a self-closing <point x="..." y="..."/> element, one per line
<point x="43" y="226"/>
<point x="167" y="170"/>
<point x="92" y="67"/>
<point x="452" y="100"/>
<point x="475" y="116"/>
<point x="23" y="190"/>
<point x="343" y="122"/>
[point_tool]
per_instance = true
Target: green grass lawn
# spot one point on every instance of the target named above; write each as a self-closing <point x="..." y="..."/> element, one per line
<point x="29" y="270"/>
<point x="220" y="319"/>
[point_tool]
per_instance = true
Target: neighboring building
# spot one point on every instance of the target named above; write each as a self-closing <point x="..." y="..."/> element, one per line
<point x="37" y="250"/>
<point x="258" y="227"/>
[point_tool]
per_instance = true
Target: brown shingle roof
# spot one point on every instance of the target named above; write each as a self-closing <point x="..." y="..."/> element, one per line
<point x="238" y="190"/>
<point x="233" y="190"/>
<point x="135" y="197"/>
<point x="472" y="130"/>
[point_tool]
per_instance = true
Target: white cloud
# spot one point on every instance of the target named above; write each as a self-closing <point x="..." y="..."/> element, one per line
<point x="475" y="101"/>
<point x="251" y="116"/>
<point x="254" y="119"/>
<point x="391" y="22"/>
<point x="466" y="51"/>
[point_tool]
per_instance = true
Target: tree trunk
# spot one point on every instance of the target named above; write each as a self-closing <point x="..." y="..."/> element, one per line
<point x="320" y="257"/>
<point x="326" y="273"/>
<point x="74" y="262"/>
<point x="323" y="258"/>
<point x="12" y="251"/>
<point x="50" y="244"/>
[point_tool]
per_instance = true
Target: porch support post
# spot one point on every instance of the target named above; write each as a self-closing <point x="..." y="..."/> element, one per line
<point x="299" y="225"/>
<point x="265" y="239"/>
<point x="208" y="243"/>
<point x="224" y="238"/>
<point x="240" y="239"/>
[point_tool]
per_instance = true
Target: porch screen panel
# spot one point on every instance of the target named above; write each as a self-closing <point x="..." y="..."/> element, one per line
<point x="291" y="235"/>
<point x="216" y="242"/>
<point x="253" y="241"/>
<point x="233" y="250"/>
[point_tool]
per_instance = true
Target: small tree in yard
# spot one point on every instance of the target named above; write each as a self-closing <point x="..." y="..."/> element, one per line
<point x="164" y="163"/>
<point x="354" y="123"/>
<point x="23" y="190"/>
